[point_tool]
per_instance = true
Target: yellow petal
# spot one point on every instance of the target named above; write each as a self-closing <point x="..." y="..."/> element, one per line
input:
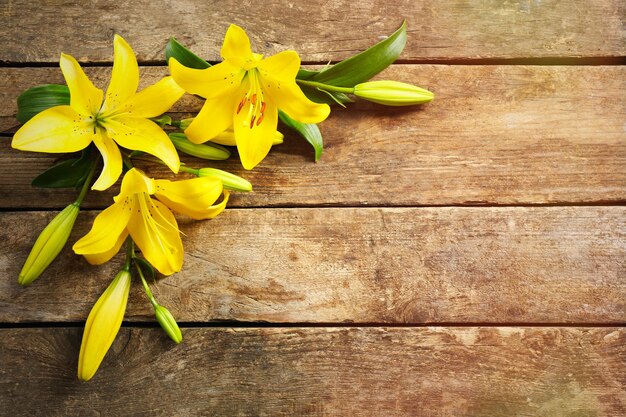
<point x="124" y="77"/>
<point x="215" y="116"/>
<point x="106" y="230"/>
<point x="218" y="80"/>
<point x="102" y="325"/>
<point x="85" y="98"/>
<point x="100" y="258"/>
<point x="254" y="136"/>
<point x="55" y="130"/>
<point x="190" y="197"/>
<point x="135" y="182"/>
<point x="278" y="79"/>
<point x="216" y="209"/>
<point x="112" y="159"/>
<point x="283" y="65"/>
<point x="154" y="100"/>
<point x="143" y="135"/>
<point x="155" y="231"/>
<point x="236" y="46"/>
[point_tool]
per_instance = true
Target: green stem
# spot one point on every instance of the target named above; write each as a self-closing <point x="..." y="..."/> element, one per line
<point x="189" y="170"/>
<point x="326" y="87"/>
<point x="87" y="183"/>
<point x="130" y="253"/>
<point x="145" y="285"/>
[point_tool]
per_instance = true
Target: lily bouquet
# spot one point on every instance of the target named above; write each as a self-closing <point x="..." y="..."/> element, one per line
<point x="114" y="132"/>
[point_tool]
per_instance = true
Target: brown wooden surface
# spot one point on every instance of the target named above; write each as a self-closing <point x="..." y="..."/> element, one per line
<point x="473" y="372"/>
<point x="318" y="30"/>
<point x="494" y="135"/>
<point x="362" y="285"/>
<point x="369" y="265"/>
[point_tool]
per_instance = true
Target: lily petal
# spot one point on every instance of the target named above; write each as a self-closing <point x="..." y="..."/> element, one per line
<point x="100" y="258"/>
<point x="112" y="159"/>
<point x="85" y="98"/>
<point x="290" y="99"/>
<point x="154" y="100"/>
<point x="135" y="181"/>
<point x="215" y="81"/>
<point x="124" y="77"/>
<point x="278" y="74"/>
<point x="55" y="130"/>
<point x="255" y="137"/>
<point x="215" y="116"/>
<point x="143" y="135"/>
<point x="190" y="197"/>
<point x="107" y="228"/>
<point x="155" y="231"/>
<point x="283" y="65"/>
<point x="236" y="46"/>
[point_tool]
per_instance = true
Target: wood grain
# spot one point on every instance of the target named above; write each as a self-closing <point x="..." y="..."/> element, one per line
<point x="439" y="371"/>
<point x="493" y="135"/>
<point x="487" y="265"/>
<point x="319" y="30"/>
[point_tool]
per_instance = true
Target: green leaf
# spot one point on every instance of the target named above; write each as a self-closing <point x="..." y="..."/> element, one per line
<point x="305" y="74"/>
<point x="308" y="130"/>
<point x="39" y="98"/>
<point x="71" y="173"/>
<point x="184" y="55"/>
<point x="146" y="268"/>
<point x="328" y="97"/>
<point x="365" y="65"/>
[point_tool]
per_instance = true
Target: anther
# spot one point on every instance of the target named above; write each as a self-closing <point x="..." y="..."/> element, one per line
<point x="262" y="106"/>
<point x="241" y="105"/>
<point x="253" y="99"/>
<point x="261" y="116"/>
<point x="252" y="121"/>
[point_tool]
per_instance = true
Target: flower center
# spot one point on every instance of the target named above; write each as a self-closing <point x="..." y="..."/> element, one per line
<point x="254" y="101"/>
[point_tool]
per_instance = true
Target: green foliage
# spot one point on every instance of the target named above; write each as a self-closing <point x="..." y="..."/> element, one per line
<point x="183" y="55"/>
<point x="363" y="66"/>
<point x="71" y="173"/>
<point x="39" y="98"/>
<point x="309" y="131"/>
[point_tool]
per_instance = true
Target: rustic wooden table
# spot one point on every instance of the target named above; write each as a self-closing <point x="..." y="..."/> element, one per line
<point x="464" y="258"/>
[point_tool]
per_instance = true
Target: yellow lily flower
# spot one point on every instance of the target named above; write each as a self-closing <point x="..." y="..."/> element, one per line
<point x="121" y="119"/>
<point x="149" y="222"/>
<point x="245" y="91"/>
<point x="102" y="325"/>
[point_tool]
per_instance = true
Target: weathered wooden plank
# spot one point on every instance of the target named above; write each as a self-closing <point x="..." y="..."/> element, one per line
<point x="437" y="265"/>
<point x="459" y="372"/>
<point x="494" y="135"/>
<point x="320" y="31"/>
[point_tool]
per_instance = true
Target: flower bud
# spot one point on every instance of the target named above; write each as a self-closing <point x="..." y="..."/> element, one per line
<point x="227" y="138"/>
<point x="48" y="244"/>
<point x="184" y="123"/>
<point x="204" y="150"/>
<point x="392" y="93"/>
<point x="168" y="323"/>
<point x="102" y="325"/>
<point x="231" y="181"/>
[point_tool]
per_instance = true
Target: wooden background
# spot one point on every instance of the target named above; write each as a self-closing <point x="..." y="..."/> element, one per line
<point x="463" y="258"/>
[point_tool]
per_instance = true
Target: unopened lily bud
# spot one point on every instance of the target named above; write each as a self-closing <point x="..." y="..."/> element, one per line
<point x="392" y="93"/>
<point x="102" y="325"/>
<point x="168" y="323"/>
<point x="48" y="244"/>
<point x="184" y="123"/>
<point x="227" y="138"/>
<point x="230" y="181"/>
<point x="204" y="150"/>
<point x="162" y="121"/>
